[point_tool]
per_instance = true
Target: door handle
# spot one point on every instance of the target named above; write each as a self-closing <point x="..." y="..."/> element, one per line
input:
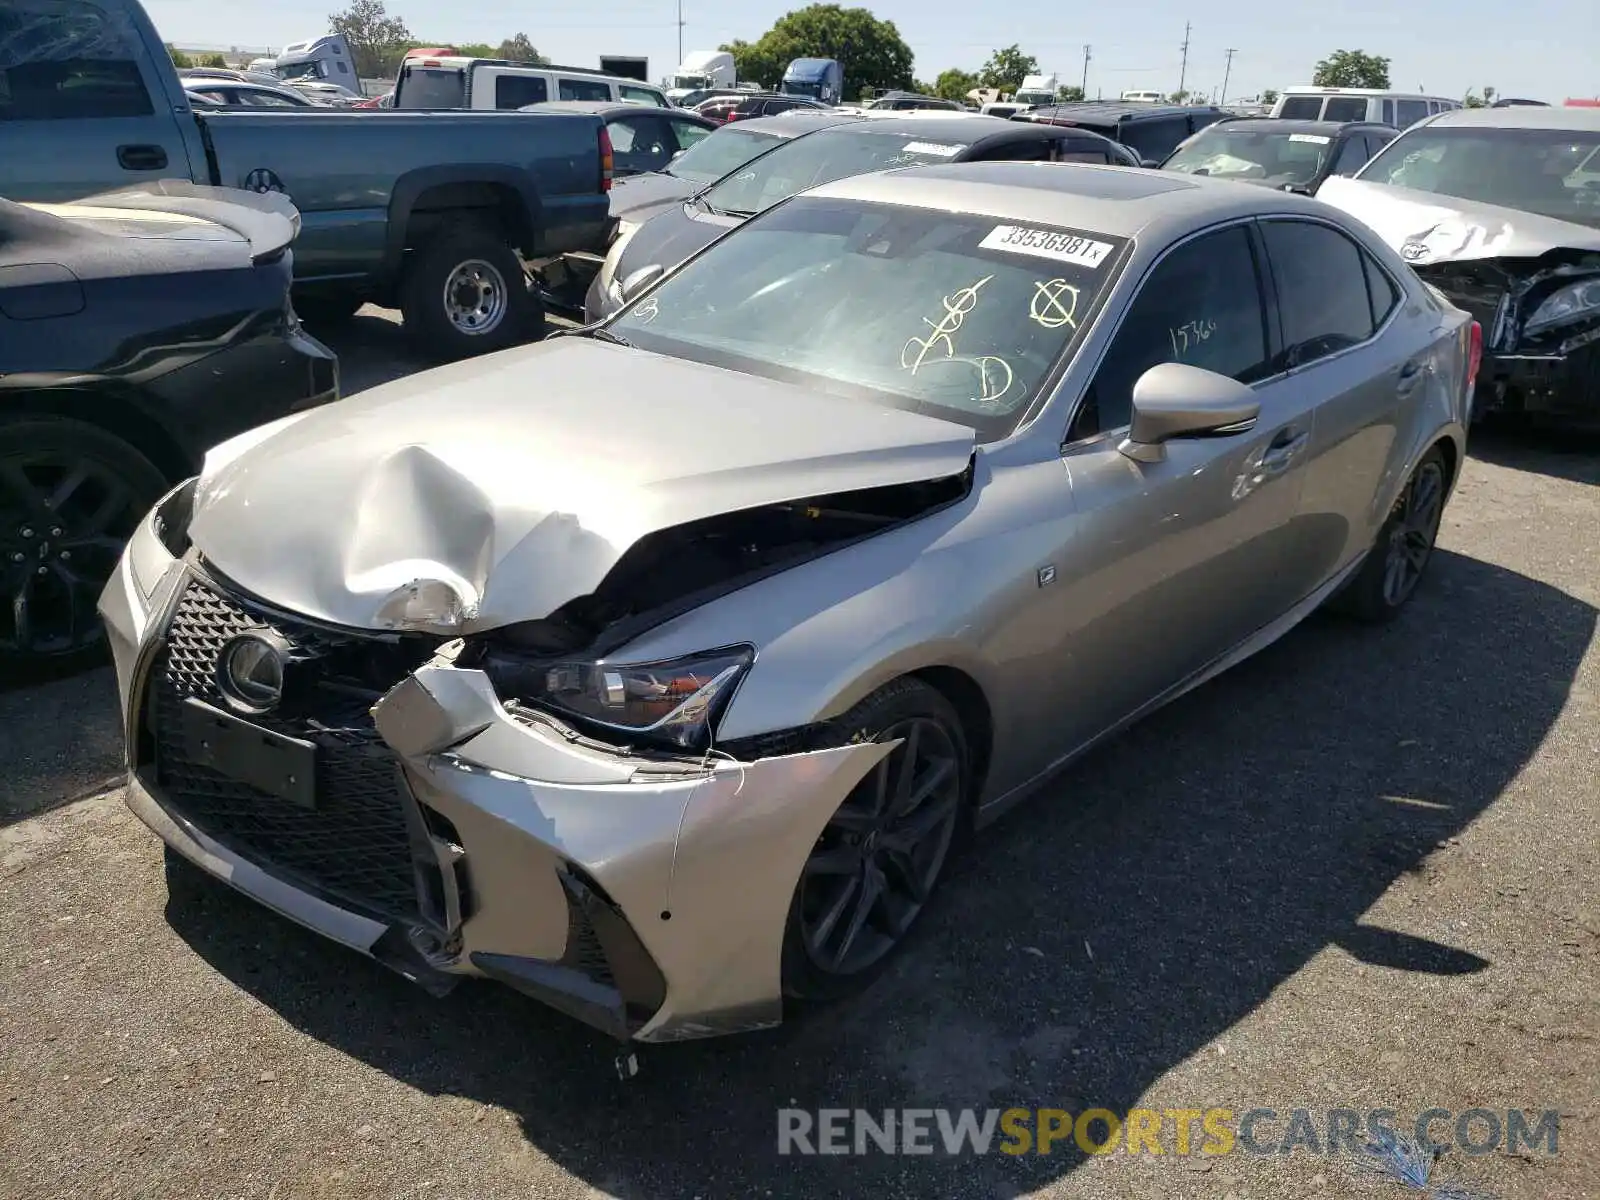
<point x="1281" y="452"/>
<point x="142" y="158"/>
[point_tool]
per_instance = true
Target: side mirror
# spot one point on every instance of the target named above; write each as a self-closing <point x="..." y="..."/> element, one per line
<point x="637" y="281"/>
<point x="1150" y="164"/>
<point x="1174" y="400"/>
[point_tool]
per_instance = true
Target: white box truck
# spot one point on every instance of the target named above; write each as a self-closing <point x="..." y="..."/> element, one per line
<point x="1036" y="89"/>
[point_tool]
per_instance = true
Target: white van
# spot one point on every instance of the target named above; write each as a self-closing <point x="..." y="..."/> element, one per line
<point x="1141" y="98"/>
<point x="446" y="82"/>
<point x="1307" y="102"/>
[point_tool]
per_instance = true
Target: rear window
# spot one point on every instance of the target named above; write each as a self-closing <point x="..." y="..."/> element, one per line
<point x="1302" y="108"/>
<point x="423" y="87"/>
<point x="1346" y="108"/>
<point x="583" y="89"/>
<point x="513" y="91"/>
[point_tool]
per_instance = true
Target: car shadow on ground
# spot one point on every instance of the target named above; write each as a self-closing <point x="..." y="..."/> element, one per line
<point x="1561" y="454"/>
<point x="1144" y="903"/>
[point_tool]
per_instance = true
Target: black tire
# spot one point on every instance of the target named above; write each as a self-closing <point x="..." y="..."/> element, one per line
<point x="472" y="258"/>
<point x="1388" y="578"/>
<point x="322" y="309"/>
<point x="820" y="963"/>
<point x="70" y="495"/>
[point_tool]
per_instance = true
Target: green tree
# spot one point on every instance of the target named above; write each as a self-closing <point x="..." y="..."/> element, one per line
<point x="520" y="49"/>
<point x="954" y="84"/>
<point x="474" y="49"/>
<point x="1473" y="100"/>
<point x="1269" y="96"/>
<point x="180" y="60"/>
<point x="1180" y="97"/>
<point x="377" y="41"/>
<point x="1006" y="69"/>
<point x="1352" y="68"/>
<point x="872" y="51"/>
<point x="1069" y="95"/>
<point x="216" y="61"/>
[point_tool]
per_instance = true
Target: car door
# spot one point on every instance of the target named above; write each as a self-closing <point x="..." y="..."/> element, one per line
<point x="1334" y="302"/>
<point x="1171" y="564"/>
<point x="81" y="108"/>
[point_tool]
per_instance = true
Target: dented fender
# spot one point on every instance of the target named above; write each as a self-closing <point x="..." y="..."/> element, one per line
<point x="701" y="855"/>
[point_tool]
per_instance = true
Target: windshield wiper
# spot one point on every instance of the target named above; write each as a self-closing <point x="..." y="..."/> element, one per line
<point x="601" y="334"/>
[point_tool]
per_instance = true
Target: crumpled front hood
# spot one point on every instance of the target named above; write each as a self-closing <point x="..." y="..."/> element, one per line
<point x="1426" y="227"/>
<point x="519" y="479"/>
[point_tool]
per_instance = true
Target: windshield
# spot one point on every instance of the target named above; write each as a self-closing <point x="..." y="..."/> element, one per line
<point x="953" y="315"/>
<point x="728" y="149"/>
<point x="1252" y="155"/>
<point x="690" y="81"/>
<point x="301" y="70"/>
<point x="420" y="88"/>
<point x="819" y="158"/>
<point x="1535" y="170"/>
<point x="798" y="87"/>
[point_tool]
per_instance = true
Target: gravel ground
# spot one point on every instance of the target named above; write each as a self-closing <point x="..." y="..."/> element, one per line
<point x="1358" y="871"/>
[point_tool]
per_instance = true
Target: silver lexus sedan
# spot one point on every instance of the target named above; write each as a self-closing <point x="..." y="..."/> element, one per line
<point x="658" y="670"/>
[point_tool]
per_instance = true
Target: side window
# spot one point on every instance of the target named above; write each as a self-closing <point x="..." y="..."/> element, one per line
<point x="1352" y="155"/>
<point x="1409" y="112"/>
<point x="647" y="148"/>
<point x="268" y="100"/>
<point x="1323" y="293"/>
<point x="64" y="60"/>
<point x="1202" y="306"/>
<point x="778" y="106"/>
<point x="1037" y="150"/>
<point x="216" y="96"/>
<point x="513" y="91"/>
<point x="1081" y="150"/>
<point x="1346" y="108"/>
<point x="583" y="89"/>
<point x="1381" y="291"/>
<point x="639" y="95"/>
<point x="1302" y="108"/>
<point x="1155" y="139"/>
<point x="1388" y="112"/>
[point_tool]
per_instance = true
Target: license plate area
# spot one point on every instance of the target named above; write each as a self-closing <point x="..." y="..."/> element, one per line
<point x="274" y="763"/>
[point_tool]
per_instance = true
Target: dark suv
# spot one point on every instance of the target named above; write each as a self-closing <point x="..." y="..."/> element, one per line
<point x="1293" y="156"/>
<point x="753" y="104"/>
<point x="1151" y="131"/>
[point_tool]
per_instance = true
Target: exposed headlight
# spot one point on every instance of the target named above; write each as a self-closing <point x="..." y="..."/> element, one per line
<point x="676" y="702"/>
<point x="1570" y="303"/>
<point x="161" y="537"/>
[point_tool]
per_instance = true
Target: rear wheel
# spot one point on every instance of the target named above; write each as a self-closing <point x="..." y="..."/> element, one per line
<point x="884" y="851"/>
<point x="70" y="496"/>
<point x="1395" y="564"/>
<point x="465" y="293"/>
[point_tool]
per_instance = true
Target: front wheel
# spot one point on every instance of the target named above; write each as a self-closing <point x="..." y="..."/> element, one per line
<point x="1395" y="564"/>
<point x="882" y="853"/>
<point x="465" y="293"/>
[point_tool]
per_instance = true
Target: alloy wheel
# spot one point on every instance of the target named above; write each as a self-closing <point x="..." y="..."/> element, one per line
<point x="1413" y="529"/>
<point x="876" y="863"/>
<point x="63" y="523"/>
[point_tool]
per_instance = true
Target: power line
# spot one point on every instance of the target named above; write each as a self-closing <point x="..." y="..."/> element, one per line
<point x="1084" y="86"/>
<point x="1183" y="71"/>
<point x="1227" y="71"/>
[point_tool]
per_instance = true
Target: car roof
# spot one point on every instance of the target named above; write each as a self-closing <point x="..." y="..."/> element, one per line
<point x="966" y="128"/>
<point x="796" y="121"/>
<point x="1120" y="201"/>
<point x="1520" y="116"/>
<point x="1290" y="125"/>
<point x="1110" y="112"/>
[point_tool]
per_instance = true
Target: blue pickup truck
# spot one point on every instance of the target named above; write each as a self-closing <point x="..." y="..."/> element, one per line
<point x="436" y="213"/>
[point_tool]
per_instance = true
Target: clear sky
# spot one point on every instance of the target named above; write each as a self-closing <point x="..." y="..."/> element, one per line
<point x="1540" y="49"/>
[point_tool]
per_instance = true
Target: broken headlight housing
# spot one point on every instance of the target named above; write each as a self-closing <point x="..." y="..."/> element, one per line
<point x="674" y="702"/>
<point x="1574" y="302"/>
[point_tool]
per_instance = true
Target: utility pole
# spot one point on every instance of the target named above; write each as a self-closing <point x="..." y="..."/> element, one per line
<point x="680" y="30"/>
<point x="1183" y="72"/>
<point x="1227" y="71"/>
<point x="1084" y="86"/>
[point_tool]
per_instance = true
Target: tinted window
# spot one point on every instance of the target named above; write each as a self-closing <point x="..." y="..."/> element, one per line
<point x="421" y="88"/>
<point x="1388" y="112"/>
<point x="1409" y="112"/>
<point x="1201" y="306"/>
<point x="268" y="100"/>
<point x="1345" y="108"/>
<point x="1302" y="108"/>
<point x="778" y="106"/>
<point x="67" y="60"/>
<point x="513" y="91"/>
<point x="582" y="89"/>
<point x="1082" y="150"/>
<point x="640" y="144"/>
<point x="1322" y="289"/>
<point x="1381" y="290"/>
<point x="687" y="133"/>
<point x="1155" y="139"/>
<point x="1034" y="151"/>
<point x="1351" y="156"/>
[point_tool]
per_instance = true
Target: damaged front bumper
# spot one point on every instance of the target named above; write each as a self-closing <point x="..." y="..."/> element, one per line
<point x="447" y="835"/>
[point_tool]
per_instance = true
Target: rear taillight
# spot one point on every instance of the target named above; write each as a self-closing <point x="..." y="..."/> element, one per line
<point x="1474" y="355"/>
<point x="608" y="161"/>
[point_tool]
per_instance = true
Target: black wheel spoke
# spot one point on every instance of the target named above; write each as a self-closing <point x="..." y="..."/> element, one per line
<point x="113" y="505"/>
<point x="22" y="613"/>
<point x="901" y="870"/>
<point x="907" y="756"/>
<point x="840" y="860"/>
<point x="61" y="495"/>
<point x="839" y="905"/>
<point x="914" y="829"/>
<point x="866" y="899"/>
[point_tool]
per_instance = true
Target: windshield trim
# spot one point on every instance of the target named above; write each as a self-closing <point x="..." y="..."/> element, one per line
<point x="1024" y="417"/>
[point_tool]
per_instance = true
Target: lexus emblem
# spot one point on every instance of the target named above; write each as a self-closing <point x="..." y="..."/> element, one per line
<point x="250" y="671"/>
